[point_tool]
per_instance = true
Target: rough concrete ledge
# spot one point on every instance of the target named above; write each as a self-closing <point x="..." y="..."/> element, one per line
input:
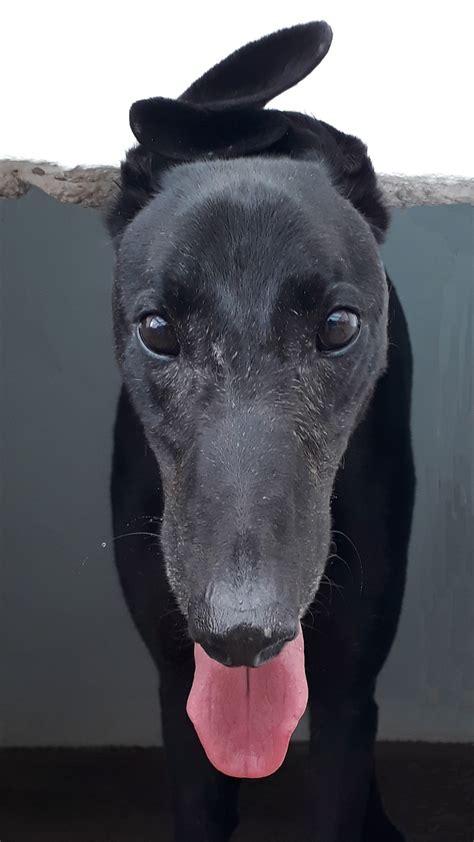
<point x="93" y="186"/>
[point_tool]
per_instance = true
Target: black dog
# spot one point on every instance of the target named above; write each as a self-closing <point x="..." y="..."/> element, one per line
<point x="263" y="435"/>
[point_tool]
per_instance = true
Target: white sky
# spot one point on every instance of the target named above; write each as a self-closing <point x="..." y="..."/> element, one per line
<point x="399" y="74"/>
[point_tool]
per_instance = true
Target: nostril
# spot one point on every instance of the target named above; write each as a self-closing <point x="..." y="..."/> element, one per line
<point x="268" y="653"/>
<point x="275" y="646"/>
<point x="245" y="645"/>
<point x="233" y="641"/>
<point x="217" y="653"/>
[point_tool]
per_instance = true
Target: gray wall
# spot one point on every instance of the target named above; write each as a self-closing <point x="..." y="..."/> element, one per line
<point x="427" y="688"/>
<point x="72" y="669"/>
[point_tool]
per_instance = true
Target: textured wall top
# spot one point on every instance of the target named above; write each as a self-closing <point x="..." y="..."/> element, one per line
<point x="92" y="186"/>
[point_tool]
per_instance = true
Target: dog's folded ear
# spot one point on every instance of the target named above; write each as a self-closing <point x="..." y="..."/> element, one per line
<point x="182" y="131"/>
<point x="354" y="176"/>
<point x="258" y="72"/>
<point x="222" y="113"/>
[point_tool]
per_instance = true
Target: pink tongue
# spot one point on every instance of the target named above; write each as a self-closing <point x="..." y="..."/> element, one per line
<point x="245" y="717"/>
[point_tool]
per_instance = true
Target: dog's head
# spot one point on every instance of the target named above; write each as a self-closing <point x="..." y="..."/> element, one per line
<point x="250" y="309"/>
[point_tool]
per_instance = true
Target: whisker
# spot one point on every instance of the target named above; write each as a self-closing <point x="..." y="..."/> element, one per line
<point x="331" y="582"/>
<point x="338" y="532"/>
<point x="134" y="534"/>
<point x="345" y="563"/>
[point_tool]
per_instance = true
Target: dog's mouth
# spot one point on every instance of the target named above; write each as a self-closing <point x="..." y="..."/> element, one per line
<point x="243" y="716"/>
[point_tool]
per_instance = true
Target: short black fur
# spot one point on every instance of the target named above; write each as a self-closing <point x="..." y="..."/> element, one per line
<point x="245" y="227"/>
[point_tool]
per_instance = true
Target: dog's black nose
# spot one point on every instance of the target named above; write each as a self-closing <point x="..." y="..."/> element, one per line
<point x="243" y="644"/>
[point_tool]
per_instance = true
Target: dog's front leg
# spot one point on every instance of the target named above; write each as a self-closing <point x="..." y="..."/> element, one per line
<point x="342" y="774"/>
<point x="204" y="800"/>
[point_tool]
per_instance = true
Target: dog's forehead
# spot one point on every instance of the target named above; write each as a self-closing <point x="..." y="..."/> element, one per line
<point x="211" y="219"/>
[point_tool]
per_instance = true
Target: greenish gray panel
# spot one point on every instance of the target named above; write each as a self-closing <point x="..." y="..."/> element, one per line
<point x="73" y="668"/>
<point x="427" y="689"/>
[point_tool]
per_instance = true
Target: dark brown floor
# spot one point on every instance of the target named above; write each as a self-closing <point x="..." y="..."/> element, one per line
<point x="118" y="795"/>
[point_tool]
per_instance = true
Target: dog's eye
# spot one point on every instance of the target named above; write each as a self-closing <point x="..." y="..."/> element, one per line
<point x="158" y="336"/>
<point x="340" y="329"/>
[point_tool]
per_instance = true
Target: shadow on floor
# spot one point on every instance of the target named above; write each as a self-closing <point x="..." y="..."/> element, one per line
<point x="120" y="795"/>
